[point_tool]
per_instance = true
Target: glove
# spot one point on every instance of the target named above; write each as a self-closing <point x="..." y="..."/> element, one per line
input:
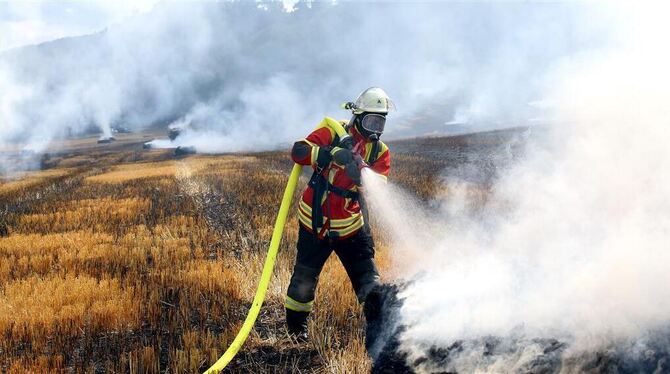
<point x="342" y="156"/>
<point x="347" y="142"/>
<point x="323" y="157"/>
<point x="359" y="160"/>
<point x="353" y="172"/>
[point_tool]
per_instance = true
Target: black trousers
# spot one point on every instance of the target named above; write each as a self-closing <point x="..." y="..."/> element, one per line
<point x="357" y="256"/>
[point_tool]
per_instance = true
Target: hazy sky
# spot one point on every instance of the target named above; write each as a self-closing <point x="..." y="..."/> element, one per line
<point x="23" y="23"/>
<point x="32" y="22"/>
<point x="223" y="65"/>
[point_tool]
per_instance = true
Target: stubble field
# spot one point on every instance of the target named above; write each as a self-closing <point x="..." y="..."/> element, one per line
<point x="119" y="259"/>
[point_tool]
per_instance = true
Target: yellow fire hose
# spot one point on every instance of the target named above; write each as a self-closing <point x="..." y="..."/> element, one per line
<point x="269" y="265"/>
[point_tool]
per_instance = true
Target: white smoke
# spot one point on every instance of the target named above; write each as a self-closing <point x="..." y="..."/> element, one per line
<point x="573" y="243"/>
<point x="251" y="76"/>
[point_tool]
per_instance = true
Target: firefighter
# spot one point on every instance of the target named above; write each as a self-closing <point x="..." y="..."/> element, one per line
<point x="331" y="208"/>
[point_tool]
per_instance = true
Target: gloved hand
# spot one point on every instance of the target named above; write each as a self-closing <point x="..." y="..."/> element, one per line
<point x="342" y="156"/>
<point x="323" y="156"/>
<point x="359" y="160"/>
<point x="347" y="142"/>
<point x="353" y="172"/>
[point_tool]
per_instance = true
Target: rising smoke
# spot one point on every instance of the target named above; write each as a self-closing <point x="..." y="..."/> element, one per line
<point x="252" y="76"/>
<point x="579" y="253"/>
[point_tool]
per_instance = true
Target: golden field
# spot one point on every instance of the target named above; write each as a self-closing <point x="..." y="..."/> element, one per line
<point x="134" y="261"/>
<point x="131" y="260"/>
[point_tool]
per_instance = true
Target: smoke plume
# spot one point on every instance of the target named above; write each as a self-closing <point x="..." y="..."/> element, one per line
<point x="252" y="76"/>
<point x="573" y="243"/>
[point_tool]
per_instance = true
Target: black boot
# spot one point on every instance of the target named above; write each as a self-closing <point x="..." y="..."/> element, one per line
<point x="296" y="324"/>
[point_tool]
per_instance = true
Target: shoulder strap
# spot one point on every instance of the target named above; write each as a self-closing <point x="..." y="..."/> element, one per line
<point x="374" y="153"/>
<point x="336" y="141"/>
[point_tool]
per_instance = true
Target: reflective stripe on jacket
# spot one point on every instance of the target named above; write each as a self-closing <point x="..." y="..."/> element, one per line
<point x="342" y="216"/>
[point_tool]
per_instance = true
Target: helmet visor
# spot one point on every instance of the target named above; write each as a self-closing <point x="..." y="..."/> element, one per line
<point x="373" y="123"/>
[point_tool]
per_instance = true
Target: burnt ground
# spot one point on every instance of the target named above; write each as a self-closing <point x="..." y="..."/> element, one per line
<point x="476" y="158"/>
<point x="647" y="354"/>
<point x="418" y="166"/>
<point x="480" y="159"/>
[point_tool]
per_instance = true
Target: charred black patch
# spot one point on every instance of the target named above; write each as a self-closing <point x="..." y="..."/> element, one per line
<point x="183" y="151"/>
<point x="106" y="140"/>
<point x="4" y="230"/>
<point x="288" y="359"/>
<point x="650" y="353"/>
<point x="382" y="308"/>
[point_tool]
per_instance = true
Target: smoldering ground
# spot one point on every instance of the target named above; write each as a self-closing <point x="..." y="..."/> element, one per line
<point x="251" y="76"/>
<point x="565" y="265"/>
<point x="510" y="354"/>
<point x="486" y="295"/>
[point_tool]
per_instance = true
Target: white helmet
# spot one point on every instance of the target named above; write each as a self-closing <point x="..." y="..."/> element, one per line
<point x="372" y="100"/>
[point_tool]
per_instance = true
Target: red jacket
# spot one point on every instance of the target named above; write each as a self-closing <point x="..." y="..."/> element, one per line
<point x="341" y="215"/>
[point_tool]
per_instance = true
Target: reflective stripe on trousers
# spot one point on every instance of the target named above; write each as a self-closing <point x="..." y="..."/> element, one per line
<point x="298" y="306"/>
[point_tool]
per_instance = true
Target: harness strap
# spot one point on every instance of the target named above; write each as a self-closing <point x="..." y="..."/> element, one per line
<point x="374" y="152"/>
<point x="347" y="194"/>
<point x="319" y="185"/>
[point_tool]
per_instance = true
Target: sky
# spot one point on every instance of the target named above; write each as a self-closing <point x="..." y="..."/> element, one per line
<point x="255" y="76"/>
<point x="32" y="22"/>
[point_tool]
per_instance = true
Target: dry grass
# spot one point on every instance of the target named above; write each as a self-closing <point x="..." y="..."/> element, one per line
<point x="127" y="261"/>
<point x="35" y="308"/>
<point x="125" y="173"/>
<point x="169" y="169"/>
<point x="97" y="214"/>
<point x="29" y="179"/>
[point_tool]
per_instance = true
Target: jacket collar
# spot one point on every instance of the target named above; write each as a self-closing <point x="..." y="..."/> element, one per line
<point x="358" y="138"/>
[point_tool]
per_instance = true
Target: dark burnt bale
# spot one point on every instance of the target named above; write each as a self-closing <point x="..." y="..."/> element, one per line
<point x="541" y="356"/>
<point x="650" y="353"/>
<point x="182" y="151"/>
<point x="121" y="130"/>
<point x="549" y="361"/>
<point x="106" y="140"/>
<point x="173" y="133"/>
<point x="382" y="308"/>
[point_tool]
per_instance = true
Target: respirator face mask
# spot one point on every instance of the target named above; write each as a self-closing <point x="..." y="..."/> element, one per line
<point x="373" y="124"/>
